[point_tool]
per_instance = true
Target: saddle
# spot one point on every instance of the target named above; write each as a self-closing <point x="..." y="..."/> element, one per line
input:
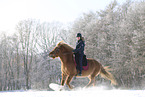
<point x="84" y="63"/>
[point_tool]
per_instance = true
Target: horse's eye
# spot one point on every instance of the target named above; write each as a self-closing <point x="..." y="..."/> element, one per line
<point x="57" y="50"/>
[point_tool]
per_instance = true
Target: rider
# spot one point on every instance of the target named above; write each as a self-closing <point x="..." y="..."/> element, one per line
<point x="79" y="52"/>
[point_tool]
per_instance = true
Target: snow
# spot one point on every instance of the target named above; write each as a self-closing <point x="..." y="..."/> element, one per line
<point x="76" y="93"/>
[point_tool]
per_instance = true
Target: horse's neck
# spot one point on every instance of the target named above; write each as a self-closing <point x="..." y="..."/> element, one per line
<point x="66" y="58"/>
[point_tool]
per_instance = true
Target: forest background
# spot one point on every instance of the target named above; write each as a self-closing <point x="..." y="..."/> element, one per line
<point x="114" y="36"/>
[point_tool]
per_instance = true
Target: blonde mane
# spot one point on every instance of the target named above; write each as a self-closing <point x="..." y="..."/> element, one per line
<point x="65" y="45"/>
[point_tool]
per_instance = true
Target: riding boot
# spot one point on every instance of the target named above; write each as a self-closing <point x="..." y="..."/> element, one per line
<point x="80" y="74"/>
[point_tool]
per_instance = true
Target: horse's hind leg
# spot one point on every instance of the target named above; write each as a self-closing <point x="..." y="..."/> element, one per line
<point x="92" y="80"/>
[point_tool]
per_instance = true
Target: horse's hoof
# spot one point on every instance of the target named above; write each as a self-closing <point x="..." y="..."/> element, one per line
<point x="61" y="88"/>
<point x="71" y="87"/>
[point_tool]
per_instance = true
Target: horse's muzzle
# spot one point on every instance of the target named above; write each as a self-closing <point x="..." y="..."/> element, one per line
<point x="51" y="55"/>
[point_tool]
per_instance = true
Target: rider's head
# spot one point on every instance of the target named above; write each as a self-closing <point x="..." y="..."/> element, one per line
<point x="79" y="36"/>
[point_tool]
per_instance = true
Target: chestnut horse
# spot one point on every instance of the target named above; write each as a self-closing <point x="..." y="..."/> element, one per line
<point x="68" y="68"/>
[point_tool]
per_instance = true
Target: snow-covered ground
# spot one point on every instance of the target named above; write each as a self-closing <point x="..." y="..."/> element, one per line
<point x="93" y="92"/>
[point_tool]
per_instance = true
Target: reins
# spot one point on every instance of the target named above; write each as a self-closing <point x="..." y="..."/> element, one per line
<point x="67" y="53"/>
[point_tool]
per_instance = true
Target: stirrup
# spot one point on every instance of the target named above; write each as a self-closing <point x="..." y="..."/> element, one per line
<point x="79" y="74"/>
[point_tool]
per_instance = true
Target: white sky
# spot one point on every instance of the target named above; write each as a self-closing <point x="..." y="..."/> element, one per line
<point x="12" y="11"/>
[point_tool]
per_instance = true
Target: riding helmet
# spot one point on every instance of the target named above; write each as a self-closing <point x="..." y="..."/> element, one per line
<point x="79" y="35"/>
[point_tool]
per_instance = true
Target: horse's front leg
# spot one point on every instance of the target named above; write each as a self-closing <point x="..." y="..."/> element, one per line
<point x="69" y="80"/>
<point x="63" y="79"/>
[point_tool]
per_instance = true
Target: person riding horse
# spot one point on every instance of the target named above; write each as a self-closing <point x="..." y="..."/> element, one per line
<point x="68" y="67"/>
<point x="79" y="52"/>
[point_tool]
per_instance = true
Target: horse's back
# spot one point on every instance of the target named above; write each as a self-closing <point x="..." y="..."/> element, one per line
<point x="94" y="63"/>
<point x="93" y="66"/>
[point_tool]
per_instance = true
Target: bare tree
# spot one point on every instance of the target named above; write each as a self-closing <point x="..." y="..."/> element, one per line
<point x="27" y="33"/>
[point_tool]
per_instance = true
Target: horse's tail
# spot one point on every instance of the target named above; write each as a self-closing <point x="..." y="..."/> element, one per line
<point x="106" y="74"/>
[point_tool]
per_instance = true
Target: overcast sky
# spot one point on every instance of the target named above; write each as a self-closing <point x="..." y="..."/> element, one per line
<point x="12" y="11"/>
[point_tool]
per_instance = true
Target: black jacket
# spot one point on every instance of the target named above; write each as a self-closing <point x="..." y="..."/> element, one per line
<point x="79" y="47"/>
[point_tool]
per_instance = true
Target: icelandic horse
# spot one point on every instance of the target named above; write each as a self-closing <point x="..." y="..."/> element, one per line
<point x="68" y="69"/>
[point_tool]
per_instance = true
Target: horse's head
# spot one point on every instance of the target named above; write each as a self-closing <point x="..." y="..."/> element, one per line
<point x="56" y="51"/>
<point x="61" y="48"/>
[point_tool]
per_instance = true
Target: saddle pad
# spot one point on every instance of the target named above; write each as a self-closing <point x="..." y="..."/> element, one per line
<point x="85" y="67"/>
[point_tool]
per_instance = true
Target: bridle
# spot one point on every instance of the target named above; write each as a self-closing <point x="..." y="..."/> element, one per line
<point x="56" y="51"/>
<point x="66" y="53"/>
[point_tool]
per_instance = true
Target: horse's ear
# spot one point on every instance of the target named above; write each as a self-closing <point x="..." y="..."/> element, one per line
<point x="59" y="43"/>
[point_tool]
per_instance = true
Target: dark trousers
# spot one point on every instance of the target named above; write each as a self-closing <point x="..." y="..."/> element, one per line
<point x="79" y="59"/>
